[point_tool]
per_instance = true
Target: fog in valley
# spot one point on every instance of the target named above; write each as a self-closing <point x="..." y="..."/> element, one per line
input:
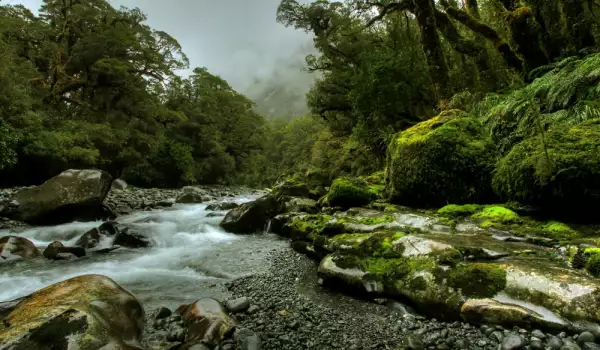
<point x="239" y="40"/>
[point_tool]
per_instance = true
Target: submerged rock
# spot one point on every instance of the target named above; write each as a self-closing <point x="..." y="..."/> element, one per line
<point x="73" y="194"/>
<point x="92" y="238"/>
<point x="222" y="206"/>
<point x="127" y="237"/>
<point x="190" y="198"/>
<point x="252" y="217"/>
<point x="14" y="247"/>
<point x="207" y="322"/>
<point x="57" y="251"/>
<point x="86" y="312"/>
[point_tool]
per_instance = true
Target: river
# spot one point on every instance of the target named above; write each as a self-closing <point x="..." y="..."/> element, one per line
<point x="191" y="258"/>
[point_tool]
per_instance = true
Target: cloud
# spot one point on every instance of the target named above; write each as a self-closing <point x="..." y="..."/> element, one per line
<point x="239" y="40"/>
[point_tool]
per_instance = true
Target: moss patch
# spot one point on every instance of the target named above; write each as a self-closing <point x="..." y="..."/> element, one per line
<point x="456" y="211"/>
<point x="497" y="214"/>
<point x="347" y="193"/>
<point x="448" y="158"/>
<point x="478" y="280"/>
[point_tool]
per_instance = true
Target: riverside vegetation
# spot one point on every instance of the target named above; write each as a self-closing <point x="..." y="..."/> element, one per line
<point x="451" y="161"/>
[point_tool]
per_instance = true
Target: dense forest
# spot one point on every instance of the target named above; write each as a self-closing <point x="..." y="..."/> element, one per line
<point x="87" y="85"/>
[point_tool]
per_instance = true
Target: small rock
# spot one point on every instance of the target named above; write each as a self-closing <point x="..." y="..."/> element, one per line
<point x="252" y="309"/>
<point x="538" y="334"/>
<point x="554" y="343"/>
<point x="591" y="346"/>
<point x="497" y="336"/>
<point x="163" y="312"/>
<point x="585" y="337"/>
<point x="238" y="305"/>
<point x="199" y="347"/>
<point x="512" y="342"/>
<point x="462" y="344"/>
<point x="414" y="342"/>
<point x="252" y="342"/>
<point x="536" y="344"/>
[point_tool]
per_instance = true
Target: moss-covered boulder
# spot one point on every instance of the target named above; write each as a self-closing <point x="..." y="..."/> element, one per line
<point x="348" y="193"/>
<point x="72" y="194"/>
<point x="293" y="186"/>
<point x="252" y="217"/>
<point x="559" y="173"/>
<point x="86" y="312"/>
<point x="445" y="276"/>
<point x="447" y="159"/>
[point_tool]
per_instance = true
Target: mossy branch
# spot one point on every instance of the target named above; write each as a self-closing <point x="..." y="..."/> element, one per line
<point x="511" y="58"/>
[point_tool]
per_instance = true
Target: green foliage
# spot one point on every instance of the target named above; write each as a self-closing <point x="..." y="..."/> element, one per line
<point x="478" y="280"/>
<point x="593" y="265"/>
<point x="347" y="193"/>
<point x="445" y="159"/>
<point x="87" y="85"/>
<point x="562" y="176"/>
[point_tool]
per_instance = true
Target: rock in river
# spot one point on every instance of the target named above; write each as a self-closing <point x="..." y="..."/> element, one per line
<point x="253" y="216"/>
<point x="57" y="251"/>
<point x="86" y="312"/>
<point x="13" y="247"/>
<point x="73" y="194"/>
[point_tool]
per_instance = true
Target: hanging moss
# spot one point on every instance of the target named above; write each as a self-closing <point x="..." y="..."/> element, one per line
<point x="445" y="159"/>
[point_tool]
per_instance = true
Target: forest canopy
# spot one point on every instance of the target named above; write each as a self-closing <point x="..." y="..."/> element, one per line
<point x="87" y="85"/>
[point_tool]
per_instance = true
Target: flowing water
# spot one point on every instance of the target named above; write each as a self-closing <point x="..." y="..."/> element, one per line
<point x="190" y="259"/>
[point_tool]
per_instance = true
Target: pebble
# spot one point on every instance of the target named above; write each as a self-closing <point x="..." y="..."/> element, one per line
<point x="512" y="342"/>
<point x="585" y="337"/>
<point x="237" y="305"/>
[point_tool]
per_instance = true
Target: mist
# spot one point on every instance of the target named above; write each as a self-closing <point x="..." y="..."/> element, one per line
<point x="241" y="41"/>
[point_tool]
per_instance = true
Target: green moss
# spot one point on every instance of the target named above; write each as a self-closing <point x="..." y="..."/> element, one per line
<point x="593" y="265"/>
<point x="309" y="226"/>
<point x="292" y="186"/>
<point x="448" y="158"/>
<point x="478" y="280"/>
<point x="450" y="256"/>
<point x="561" y="177"/>
<point x="455" y="211"/>
<point x="382" y="245"/>
<point x="497" y="214"/>
<point x="346" y="193"/>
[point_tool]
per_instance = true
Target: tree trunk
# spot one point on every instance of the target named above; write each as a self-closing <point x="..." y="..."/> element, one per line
<point x="579" y="25"/>
<point x="432" y="45"/>
<point x="525" y="33"/>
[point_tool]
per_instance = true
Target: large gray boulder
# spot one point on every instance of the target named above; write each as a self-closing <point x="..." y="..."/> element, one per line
<point x="252" y="217"/>
<point x="71" y="195"/>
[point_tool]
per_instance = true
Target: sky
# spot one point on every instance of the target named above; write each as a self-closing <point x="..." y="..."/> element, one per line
<point x="239" y="40"/>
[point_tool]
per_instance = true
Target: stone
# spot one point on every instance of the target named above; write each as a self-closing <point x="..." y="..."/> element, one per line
<point x="252" y="217"/>
<point x="494" y="312"/>
<point x="585" y="337"/>
<point x="14" y="248"/>
<point x="252" y="342"/>
<point x="84" y="312"/>
<point x="190" y="198"/>
<point x="162" y="312"/>
<point x="414" y="342"/>
<point x="536" y="344"/>
<point x="207" y="322"/>
<point x="118" y="184"/>
<point x="512" y="342"/>
<point x="57" y="251"/>
<point x="238" y="305"/>
<point x="73" y="194"/>
<point x="554" y="343"/>
<point x="304" y="205"/>
<point x="92" y="238"/>
<point x="129" y="238"/>
<point x="222" y="206"/>
<point x="538" y="334"/>
<point x="590" y="346"/>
